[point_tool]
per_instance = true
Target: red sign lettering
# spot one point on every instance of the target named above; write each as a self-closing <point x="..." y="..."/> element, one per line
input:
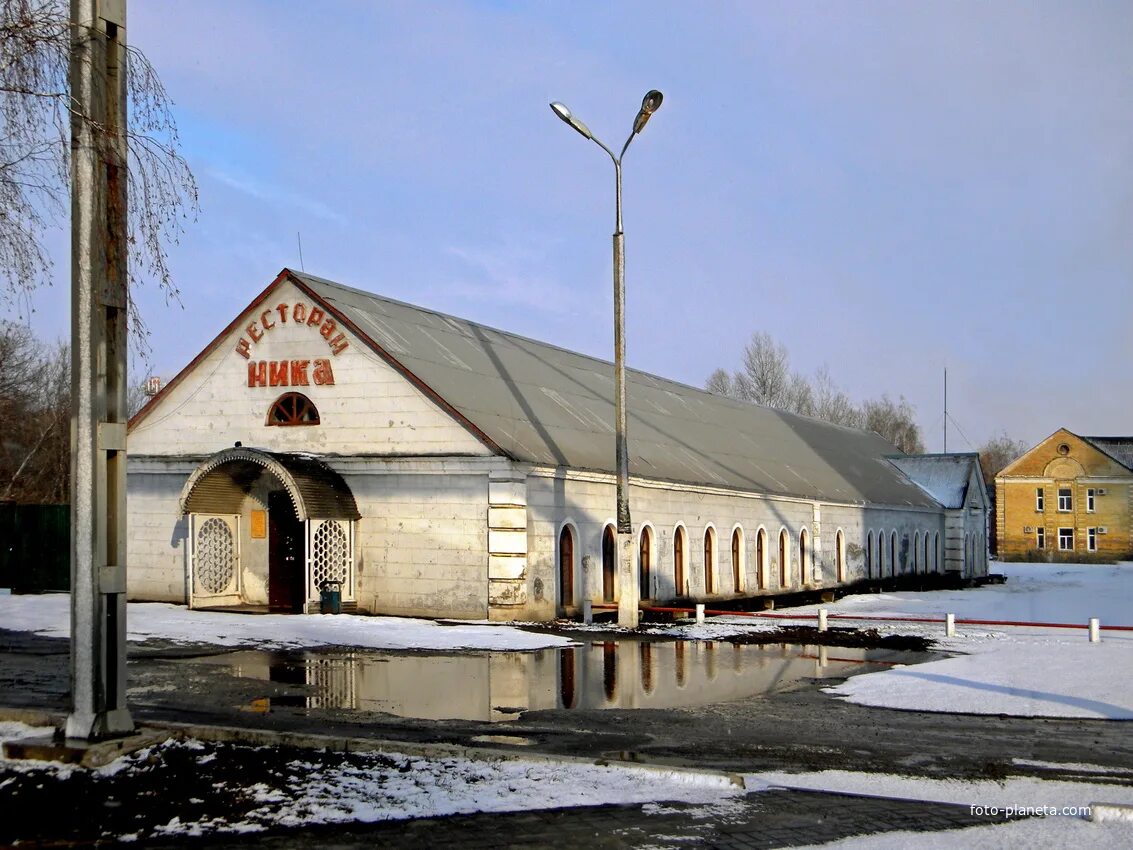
<point x="301" y="314"/>
<point x="257" y="374"/>
<point x="278" y="372"/>
<point x="323" y="374"/>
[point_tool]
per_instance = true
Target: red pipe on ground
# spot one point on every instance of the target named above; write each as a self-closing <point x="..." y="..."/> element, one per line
<point x="869" y="618"/>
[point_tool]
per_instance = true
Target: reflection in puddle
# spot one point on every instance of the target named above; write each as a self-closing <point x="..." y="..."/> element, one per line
<point x="501" y="685"/>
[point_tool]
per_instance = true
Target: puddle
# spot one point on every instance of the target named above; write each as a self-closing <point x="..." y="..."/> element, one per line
<point x="496" y="686"/>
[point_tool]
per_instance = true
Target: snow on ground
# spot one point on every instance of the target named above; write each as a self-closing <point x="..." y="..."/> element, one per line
<point x="314" y="787"/>
<point x="1018" y="671"/>
<point x="1033" y="834"/>
<point x="1013" y="791"/>
<point x="1062" y="822"/>
<point x="50" y="615"/>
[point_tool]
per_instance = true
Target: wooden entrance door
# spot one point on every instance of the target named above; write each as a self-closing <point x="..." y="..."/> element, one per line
<point x="566" y="567"/>
<point x="287" y="582"/>
<point x="609" y="563"/>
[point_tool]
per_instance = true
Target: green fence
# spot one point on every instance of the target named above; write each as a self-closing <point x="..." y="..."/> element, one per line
<point x="35" y="547"/>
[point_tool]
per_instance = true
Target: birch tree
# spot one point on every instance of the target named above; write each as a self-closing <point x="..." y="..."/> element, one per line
<point x="35" y="113"/>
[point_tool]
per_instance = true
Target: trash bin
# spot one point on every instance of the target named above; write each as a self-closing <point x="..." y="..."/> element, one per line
<point x="330" y="597"/>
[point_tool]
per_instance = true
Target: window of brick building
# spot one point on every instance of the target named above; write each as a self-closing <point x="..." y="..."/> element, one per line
<point x="1066" y="539"/>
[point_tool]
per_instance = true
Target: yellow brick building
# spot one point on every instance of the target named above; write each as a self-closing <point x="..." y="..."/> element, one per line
<point x="1069" y="498"/>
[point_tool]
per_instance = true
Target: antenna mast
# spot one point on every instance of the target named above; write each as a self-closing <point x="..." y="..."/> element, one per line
<point x="946" y="410"/>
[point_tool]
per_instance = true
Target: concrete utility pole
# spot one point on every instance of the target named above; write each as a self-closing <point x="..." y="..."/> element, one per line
<point x="98" y="370"/>
<point x="629" y="594"/>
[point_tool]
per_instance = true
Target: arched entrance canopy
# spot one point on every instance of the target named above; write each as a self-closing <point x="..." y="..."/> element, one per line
<point x="220" y="483"/>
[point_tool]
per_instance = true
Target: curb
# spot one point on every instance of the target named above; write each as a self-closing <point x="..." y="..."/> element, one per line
<point x="1111" y="813"/>
<point x="339" y="743"/>
<point x="344" y="744"/>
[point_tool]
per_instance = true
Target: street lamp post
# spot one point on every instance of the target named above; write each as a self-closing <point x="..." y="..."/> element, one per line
<point x="628" y="595"/>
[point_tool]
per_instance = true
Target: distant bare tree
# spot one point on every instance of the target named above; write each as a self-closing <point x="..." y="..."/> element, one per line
<point x="997" y="453"/>
<point x="896" y="422"/>
<point x="833" y="405"/>
<point x="800" y="396"/>
<point x="720" y="383"/>
<point x="766" y="378"/>
<point x="136" y="396"/>
<point x="766" y="375"/>
<point x="35" y="403"/>
<point x="35" y="145"/>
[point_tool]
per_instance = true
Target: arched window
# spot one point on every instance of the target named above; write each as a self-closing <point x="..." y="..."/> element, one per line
<point x="936" y="551"/>
<point x="644" y="563"/>
<point x="761" y="559"/>
<point x="783" y="552"/>
<point x="609" y="563"/>
<point x="679" y="561"/>
<point x="840" y="556"/>
<point x="881" y="553"/>
<point x="926" y="561"/>
<point x="869" y="554"/>
<point x="709" y="559"/>
<point x="893" y="553"/>
<point x="293" y="409"/>
<point x="737" y="560"/>
<point x="566" y="566"/>
<point x="916" y="552"/>
<point x="803" y="555"/>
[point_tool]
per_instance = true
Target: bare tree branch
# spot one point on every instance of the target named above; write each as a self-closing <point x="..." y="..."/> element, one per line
<point x="35" y="114"/>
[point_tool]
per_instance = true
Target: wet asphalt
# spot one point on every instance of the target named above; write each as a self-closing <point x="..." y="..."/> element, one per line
<point x="799" y="729"/>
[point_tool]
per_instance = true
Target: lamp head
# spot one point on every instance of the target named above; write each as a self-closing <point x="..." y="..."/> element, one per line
<point x="649" y="104"/>
<point x="561" y="110"/>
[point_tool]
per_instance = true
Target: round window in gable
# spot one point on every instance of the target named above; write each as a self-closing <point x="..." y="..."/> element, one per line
<point x="293" y="409"/>
<point x="1063" y="449"/>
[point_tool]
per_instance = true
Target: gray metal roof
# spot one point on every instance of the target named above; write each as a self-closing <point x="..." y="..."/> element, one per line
<point x="944" y="477"/>
<point x="543" y="404"/>
<point x="1118" y="448"/>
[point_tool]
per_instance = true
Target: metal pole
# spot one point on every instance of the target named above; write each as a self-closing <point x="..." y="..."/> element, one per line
<point x="628" y="591"/>
<point x="98" y="370"/>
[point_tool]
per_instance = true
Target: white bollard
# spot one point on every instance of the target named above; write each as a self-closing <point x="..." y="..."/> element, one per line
<point x="823" y="657"/>
<point x="700" y="613"/>
<point x="1095" y="630"/>
<point x="587" y="611"/>
<point x="822" y="619"/>
<point x="950" y="625"/>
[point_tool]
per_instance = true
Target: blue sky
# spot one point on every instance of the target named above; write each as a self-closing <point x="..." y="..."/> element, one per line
<point x="889" y="188"/>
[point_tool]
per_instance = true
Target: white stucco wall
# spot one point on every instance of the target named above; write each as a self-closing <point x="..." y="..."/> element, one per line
<point x="370" y="408"/>
<point x="422" y="544"/>
<point x="586" y="502"/>
<point x="156" y="536"/>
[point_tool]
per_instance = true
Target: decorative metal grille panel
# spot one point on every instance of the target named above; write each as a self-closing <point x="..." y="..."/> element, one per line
<point x="334" y="682"/>
<point x="215" y="555"/>
<point x="330" y="554"/>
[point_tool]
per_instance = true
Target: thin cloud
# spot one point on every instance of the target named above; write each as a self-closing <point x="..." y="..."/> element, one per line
<point x="508" y="275"/>
<point x="275" y="195"/>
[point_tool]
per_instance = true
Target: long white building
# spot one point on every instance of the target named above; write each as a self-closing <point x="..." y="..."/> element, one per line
<point x="440" y="468"/>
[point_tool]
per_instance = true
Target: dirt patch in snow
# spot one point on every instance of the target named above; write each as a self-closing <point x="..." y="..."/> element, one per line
<point x="860" y="638"/>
